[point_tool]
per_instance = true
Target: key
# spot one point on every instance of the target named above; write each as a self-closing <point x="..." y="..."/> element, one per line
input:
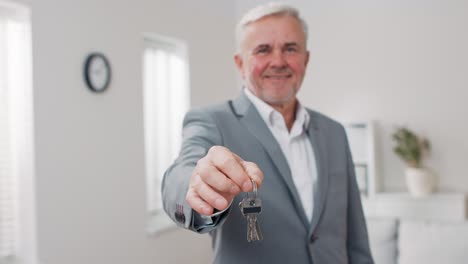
<point x="251" y="207"/>
<point x="254" y="232"/>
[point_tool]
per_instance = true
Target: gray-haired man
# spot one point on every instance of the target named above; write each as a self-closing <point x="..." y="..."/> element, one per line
<point x="300" y="158"/>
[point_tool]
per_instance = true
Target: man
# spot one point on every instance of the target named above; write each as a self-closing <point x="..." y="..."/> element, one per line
<point x="299" y="158"/>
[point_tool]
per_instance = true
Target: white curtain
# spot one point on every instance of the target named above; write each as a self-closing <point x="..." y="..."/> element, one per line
<point x="166" y="96"/>
<point x="16" y="126"/>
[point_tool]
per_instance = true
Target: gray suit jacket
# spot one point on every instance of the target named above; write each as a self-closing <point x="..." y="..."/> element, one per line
<point x="337" y="233"/>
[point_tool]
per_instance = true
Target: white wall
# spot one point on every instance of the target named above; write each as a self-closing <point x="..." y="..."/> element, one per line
<point x="397" y="62"/>
<point x="89" y="147"/>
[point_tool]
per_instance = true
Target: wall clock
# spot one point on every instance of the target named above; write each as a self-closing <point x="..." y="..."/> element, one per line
<point x="97" y="72"/>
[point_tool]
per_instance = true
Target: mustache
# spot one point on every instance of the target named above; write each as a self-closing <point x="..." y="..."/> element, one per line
<point x="278" y="71"/>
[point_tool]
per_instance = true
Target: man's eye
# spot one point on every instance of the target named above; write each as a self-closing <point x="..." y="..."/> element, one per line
<point x="291" y="49"/>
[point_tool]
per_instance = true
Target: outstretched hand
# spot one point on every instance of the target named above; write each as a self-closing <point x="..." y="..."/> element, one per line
<point x="218" y="178"/>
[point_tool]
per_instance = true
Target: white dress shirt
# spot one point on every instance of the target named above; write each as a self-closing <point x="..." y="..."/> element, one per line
<point x="296" y="147"/>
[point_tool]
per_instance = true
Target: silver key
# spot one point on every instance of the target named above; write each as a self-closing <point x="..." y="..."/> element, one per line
<point x="251" y="207"/>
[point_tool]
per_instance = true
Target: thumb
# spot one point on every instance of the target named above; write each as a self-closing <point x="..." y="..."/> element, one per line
<point x="253" y="171"/>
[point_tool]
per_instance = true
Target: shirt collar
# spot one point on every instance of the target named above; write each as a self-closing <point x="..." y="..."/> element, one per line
<point x="267" y="112"/>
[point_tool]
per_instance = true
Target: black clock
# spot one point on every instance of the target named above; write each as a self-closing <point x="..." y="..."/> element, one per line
<point x="97" y="72"/>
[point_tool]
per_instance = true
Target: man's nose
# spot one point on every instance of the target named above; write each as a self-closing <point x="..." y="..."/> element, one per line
<point x="278" y="60"/>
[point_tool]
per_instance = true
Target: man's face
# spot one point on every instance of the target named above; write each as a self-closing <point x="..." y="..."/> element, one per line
<point x="273" y="58"/>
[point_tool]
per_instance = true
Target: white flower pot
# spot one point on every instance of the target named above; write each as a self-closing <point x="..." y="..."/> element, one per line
<point x="420" y="181"/>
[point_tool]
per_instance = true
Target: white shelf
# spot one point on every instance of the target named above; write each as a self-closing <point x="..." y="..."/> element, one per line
<point x="437" y="206"/>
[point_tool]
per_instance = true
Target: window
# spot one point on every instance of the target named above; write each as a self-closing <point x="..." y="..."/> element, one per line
<point x="166" y="99"/>
<point x="16" y="136"/>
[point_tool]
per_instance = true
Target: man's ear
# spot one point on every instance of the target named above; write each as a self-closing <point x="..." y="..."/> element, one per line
<point x="239" y="64"/>
<point x="307" y="58"/>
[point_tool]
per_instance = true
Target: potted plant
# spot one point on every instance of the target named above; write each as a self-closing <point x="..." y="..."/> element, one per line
<point x="412" y="149"/>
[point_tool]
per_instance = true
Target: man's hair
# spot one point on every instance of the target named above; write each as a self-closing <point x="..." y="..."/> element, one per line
<point x="259" y="12"/>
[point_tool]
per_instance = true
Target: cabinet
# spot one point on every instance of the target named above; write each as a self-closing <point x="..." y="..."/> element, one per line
<point x="437" y="206"/>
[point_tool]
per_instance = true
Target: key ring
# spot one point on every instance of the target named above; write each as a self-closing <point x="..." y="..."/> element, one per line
<point x="254" y="191"/>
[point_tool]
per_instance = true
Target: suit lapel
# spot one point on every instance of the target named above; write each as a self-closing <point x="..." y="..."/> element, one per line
<point x="252" y="120"/>
<point x="318" y="140"/>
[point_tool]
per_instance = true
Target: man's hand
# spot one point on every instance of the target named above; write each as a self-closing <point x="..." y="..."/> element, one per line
<point x="218" y="178"/>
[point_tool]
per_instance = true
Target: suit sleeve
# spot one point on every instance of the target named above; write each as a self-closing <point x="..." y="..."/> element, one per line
<point x="200" y="133"/>
<point x="357" y="240"/>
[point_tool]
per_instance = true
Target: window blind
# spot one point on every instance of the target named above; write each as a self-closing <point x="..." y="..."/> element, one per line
<point x="7" y="190"/>
<point x="16" y="148"/>
<point x="166" y="100"/>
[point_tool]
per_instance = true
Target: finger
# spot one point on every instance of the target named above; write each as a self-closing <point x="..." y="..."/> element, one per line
<point x="254" y="172"/>
<point x="211" y="197"/>
<point x="239" y="159"/>
<point x="229" y="164"/>
<point x="197" y="203"/>
<point x="218" y="181"/>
